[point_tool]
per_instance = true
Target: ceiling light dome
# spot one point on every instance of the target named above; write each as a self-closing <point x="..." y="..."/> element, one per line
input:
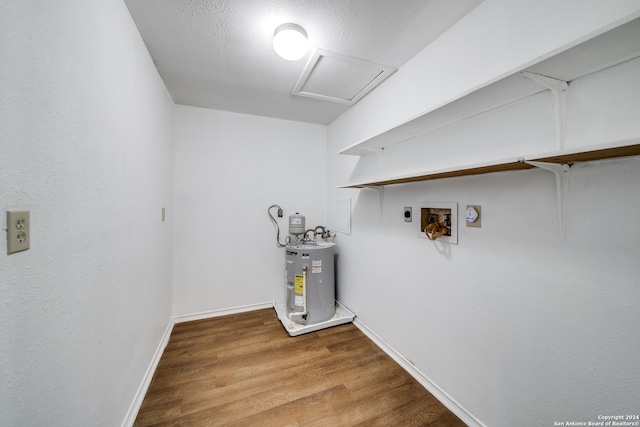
<point x="290" y="41"/>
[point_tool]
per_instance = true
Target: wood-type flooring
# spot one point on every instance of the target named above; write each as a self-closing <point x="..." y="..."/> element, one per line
<point x="245" y="370"/>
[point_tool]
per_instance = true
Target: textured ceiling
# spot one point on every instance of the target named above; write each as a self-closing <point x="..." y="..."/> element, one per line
<point x="217" y="53"/>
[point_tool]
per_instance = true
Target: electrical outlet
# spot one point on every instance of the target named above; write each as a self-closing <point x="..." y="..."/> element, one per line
<point x="408" y="214"/>
<point x="18" y="231"/>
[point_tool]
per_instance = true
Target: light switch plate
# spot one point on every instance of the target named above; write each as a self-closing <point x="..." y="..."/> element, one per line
<point x="18" y="231"/>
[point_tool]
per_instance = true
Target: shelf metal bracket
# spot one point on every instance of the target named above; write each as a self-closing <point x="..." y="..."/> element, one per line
<point x="377" y="150"/>
<point x="380" y="190"/>
<point x="560" y="93"/>
<point x="560" y="173"/>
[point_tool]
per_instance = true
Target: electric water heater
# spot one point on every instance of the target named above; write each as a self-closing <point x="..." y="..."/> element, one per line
<point x="310" y="282"/>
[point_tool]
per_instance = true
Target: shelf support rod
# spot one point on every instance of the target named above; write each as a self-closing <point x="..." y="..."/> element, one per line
<point x="560" y="173"/>
<point x="559" y="90"/>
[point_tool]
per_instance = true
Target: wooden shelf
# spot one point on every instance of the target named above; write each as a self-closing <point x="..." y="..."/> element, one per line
<point x="607" y="50"/>
<point x="613" y="48"/>
<point x="630" y="148"/>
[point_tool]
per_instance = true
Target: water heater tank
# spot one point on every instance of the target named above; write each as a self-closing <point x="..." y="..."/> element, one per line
<point x="311" y="266"/>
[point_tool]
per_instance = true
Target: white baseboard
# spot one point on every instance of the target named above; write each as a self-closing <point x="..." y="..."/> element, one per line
<point x="221" y="312"/>
<point x="431" y="387"/>
<point x="148" y="376"/>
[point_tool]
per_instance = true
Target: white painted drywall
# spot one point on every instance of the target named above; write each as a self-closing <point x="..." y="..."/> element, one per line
<point x="229" y="168"/>
<point x="85" y="145"/>
<point x="515" y="325"/>
<point x="511" y="323"/>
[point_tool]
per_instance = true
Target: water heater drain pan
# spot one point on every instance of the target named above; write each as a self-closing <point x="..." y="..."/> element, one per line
<point x="342" y="316"/>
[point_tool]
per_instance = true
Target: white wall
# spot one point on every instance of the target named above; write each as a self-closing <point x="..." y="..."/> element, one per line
<point x="515" y="325"/>
<point x="85" y="145"/>
<point x="511" y="323"/>
<point x="229" y="168"/>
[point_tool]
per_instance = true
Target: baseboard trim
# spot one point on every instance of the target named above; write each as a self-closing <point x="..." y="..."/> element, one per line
<point x="433" y="388"/>
<point x="148" y="376"/>
<point x="419" y="376"/>
<point x="222" y="312"/>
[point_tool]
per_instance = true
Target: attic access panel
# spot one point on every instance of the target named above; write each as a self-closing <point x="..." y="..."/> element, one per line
<point x="339" y="78"/>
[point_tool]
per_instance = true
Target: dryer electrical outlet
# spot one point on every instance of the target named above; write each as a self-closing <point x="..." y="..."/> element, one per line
<point x="408" y="214"/>
<point x="18" y="231"/>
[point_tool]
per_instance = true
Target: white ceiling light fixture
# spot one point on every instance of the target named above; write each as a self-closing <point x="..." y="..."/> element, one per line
<point x="290" y="41"/>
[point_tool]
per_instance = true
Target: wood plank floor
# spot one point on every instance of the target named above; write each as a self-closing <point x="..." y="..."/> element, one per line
<point x="245" y="370"/>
